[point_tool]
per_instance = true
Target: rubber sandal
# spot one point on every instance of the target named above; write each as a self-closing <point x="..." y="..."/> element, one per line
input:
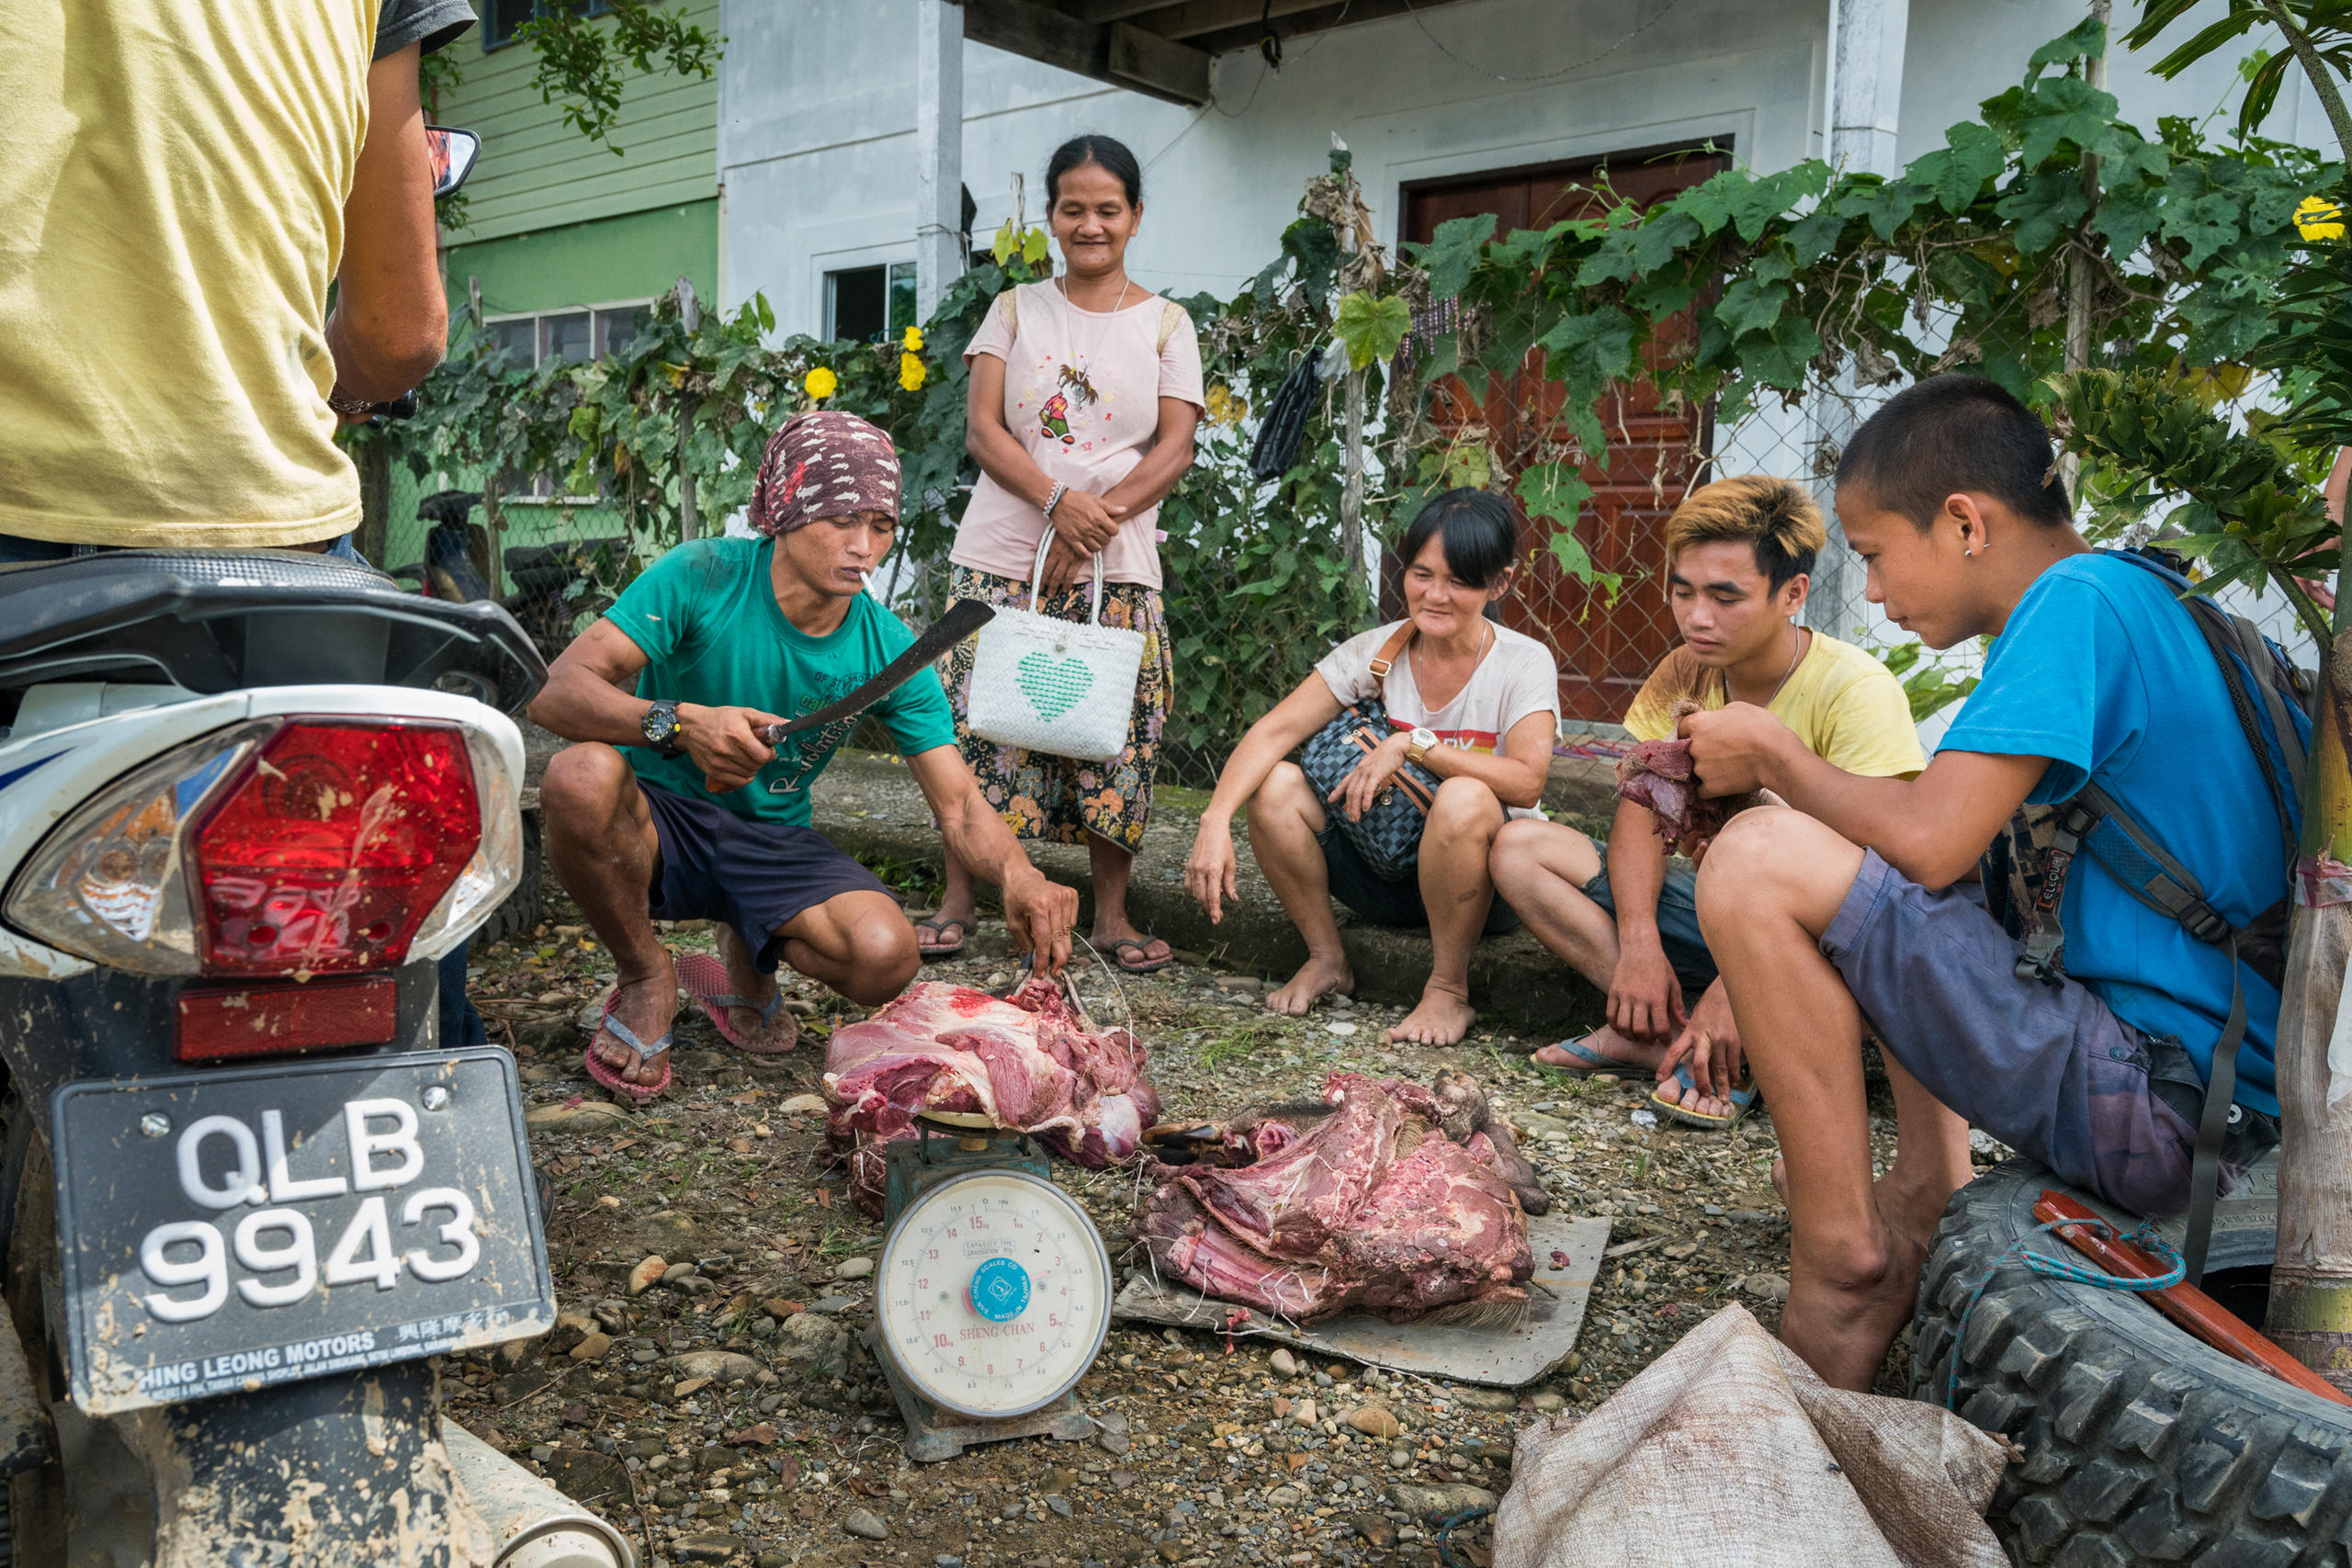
<point x="935" y="926"/>
<point x="1595" y="1062"/>
<point x="705" y="979"/>
<point x="640" y="1093"/>
<point x="1743" y="1101"/>
<point x="1149" y="966"/>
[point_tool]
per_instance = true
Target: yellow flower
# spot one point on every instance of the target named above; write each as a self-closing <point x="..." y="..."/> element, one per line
<point x="1225" y="408"/>
<point x="819" y="384"/>
<point x="910" y="370"/>
<point x="2320" y="218"/>
<point x="912" y="342"/>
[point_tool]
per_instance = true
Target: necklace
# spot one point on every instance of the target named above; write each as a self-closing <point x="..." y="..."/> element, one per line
<point x="1805" y="641"/>
<point x="1486" y="642"/>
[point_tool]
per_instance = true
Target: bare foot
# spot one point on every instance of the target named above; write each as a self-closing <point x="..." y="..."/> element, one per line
<point x="1317" y="978"/>
<point x="1442" y="1019"/>
<point x="1843" y="1326"/>
<point x="1633" y="1056"/>
<point x="648" y="1004"/>
<point x="756" y="1032"/>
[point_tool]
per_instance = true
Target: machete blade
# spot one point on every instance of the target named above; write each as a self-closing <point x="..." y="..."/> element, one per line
<point x="963" y="618"/>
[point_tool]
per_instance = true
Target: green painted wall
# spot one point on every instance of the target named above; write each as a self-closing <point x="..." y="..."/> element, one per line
<point x="536" y="172"/>
<point x="633" y="256"/>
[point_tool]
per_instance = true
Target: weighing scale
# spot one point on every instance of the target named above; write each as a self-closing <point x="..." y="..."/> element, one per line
<point x="993" y="1294"/>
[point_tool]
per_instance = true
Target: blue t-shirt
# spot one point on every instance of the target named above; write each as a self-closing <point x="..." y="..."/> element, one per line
<point x="706" y="615"/>
<point x="2101" y="670"/>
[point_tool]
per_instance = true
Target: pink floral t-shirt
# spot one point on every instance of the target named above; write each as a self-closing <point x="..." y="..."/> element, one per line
<point x="1081" y="394"/>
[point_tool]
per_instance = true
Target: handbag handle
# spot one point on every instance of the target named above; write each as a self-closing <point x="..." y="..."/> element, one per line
<point x="1037" y="576"/>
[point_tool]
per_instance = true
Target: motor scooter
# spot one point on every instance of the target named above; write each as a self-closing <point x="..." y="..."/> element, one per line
<point x="247" y="1194"/>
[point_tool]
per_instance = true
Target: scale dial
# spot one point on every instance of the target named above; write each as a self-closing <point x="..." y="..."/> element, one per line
<point x="995" y="1295"/>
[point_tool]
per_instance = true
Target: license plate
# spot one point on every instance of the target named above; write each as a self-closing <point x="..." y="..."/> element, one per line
<point x="229" y="1230"/>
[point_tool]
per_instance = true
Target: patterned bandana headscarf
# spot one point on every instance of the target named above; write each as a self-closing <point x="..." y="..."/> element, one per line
<point x="824" y="464"/>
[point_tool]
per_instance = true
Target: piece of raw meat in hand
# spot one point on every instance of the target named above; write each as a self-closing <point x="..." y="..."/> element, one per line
<point x="1373" y="1205"/>
<point x="1027" y="1062"/>
<point x="1657" y="773"/>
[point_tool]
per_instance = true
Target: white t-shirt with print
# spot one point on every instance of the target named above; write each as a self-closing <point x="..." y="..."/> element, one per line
<point x="1517" y="677"/>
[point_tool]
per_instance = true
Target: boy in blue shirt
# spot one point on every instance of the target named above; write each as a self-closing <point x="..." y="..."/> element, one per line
<point x="1859" y="901"/>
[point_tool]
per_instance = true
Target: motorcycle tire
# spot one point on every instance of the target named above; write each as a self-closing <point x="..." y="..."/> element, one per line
<point x="2142" y="1444"/>
<point x="520" y="912"/>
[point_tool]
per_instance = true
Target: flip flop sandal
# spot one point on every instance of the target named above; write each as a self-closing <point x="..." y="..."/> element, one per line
<point x="1149" y="966"/>
<point x="640" y="1093"/>
<point x="1743" y="1101"/>
<point x="705" y="979"/>
<point x="1592" y="1061"/>
<point x="935" y="927"/>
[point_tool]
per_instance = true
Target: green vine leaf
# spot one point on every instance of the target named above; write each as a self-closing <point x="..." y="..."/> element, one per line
<point x="1453" y="251"/>
<point x="1372" y="328"/>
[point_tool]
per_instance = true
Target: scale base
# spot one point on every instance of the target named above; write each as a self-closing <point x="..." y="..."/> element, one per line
<point x="933" y="1434"/>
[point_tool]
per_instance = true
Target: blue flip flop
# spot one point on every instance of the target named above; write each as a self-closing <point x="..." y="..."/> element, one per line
<point x="1594" y="1061"/>
<point x="1743" y="1101"/>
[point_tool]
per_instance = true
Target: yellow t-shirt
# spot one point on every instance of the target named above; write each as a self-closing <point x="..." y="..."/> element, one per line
<point x="171" y="181"/>
<point x="1840" y="702"/>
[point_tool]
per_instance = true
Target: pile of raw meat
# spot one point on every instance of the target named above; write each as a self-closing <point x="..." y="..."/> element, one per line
<point x="1394" y="1199"/>
<point x="1656" y="773"/>
<point x="1027" y="1062"/>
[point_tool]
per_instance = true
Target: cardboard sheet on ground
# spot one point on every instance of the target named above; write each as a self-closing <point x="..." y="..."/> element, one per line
<point x="1500" y="1357"/>
<point x="1728" y="1452"/>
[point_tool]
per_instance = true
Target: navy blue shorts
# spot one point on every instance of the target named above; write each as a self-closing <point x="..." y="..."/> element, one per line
<point x="756" y="876"/>
<point x="1383" y="902"/>
<point x="1677" y="924"/>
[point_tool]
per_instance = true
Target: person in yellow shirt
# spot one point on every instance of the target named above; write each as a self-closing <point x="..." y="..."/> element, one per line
<point x="1739" y="556"/>
<point x="180" y="182"/>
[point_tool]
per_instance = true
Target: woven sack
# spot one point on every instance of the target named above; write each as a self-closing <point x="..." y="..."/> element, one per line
<point x="1388" y="835"/>
<point x="1064" y="688"/>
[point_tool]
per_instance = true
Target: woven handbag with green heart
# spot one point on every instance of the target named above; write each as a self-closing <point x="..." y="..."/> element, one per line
<point x="1066" y="688"/>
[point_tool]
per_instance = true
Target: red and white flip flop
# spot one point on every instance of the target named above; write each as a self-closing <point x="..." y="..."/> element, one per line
<point x="705" y="979"/>
<point x="638" y="1092"/>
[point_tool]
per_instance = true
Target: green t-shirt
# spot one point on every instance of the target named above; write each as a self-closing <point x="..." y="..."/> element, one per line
<point x="706" y="617"/>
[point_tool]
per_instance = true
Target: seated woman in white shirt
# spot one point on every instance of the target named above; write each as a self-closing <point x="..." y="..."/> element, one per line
<point x="1470" y="701"/>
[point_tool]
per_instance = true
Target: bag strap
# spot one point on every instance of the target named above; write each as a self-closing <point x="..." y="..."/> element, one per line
<point x="1171" y="313"/>
<point x="1385" y="659"/>
<point x="2213" y="1127"/>
<point x="1037" y="576"/>
<point x="1010" y="299"/>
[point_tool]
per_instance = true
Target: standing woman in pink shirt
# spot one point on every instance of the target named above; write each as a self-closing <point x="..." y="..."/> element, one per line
<point x="1086" y="389"/>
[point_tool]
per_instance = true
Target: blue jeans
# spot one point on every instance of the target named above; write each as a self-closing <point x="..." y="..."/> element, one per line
<point x="1678" y="926"/>
<point x="17" y="550"/>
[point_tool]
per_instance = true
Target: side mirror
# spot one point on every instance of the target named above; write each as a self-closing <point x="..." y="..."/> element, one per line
<point x="453" y="153"/>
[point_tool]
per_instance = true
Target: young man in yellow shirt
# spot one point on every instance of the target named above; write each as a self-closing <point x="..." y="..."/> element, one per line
<point x="1739" y="559"/>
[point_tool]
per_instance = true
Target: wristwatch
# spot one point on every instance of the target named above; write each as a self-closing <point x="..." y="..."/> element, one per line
<point x="661" y="727"/>
<point x="1418" y="747"/>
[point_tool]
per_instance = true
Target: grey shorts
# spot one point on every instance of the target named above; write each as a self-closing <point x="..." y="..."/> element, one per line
<point x="2045" y="1069"/>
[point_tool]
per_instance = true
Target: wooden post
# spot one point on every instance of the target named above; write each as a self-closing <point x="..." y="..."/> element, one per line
<point x="2311" y="1276"/>
<point x="2082" y="281"/>
<point x="689" y="515"/>
<point x="373" y="536"/>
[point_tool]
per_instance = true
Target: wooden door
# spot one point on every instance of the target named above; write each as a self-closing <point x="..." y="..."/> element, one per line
<point x="1655" y="452"/>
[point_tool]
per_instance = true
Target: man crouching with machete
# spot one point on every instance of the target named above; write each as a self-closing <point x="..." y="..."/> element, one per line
<point x="674" y="807"/>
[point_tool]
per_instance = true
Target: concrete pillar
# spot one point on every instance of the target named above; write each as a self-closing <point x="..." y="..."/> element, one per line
<point x="1866" y="102"/>
<point x="1865" y="66"/>
<point x="939" y="150"/>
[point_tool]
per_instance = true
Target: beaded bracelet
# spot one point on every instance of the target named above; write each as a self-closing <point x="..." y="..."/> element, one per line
<point x="1056" y="499"/>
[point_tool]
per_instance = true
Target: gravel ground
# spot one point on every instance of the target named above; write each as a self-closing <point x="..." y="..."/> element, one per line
<point x="725" y="1414"/>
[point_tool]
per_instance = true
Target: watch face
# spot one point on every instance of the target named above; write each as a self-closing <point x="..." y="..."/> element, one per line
<point x="660" y="722"/>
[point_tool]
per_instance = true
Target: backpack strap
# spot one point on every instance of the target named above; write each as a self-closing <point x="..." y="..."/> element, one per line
<point x="1385" y="659"/>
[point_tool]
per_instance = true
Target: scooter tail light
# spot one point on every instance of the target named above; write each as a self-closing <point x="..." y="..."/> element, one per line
<point x="110" y="882"/>
<point x="496" y="866"/>
<point x="330" y="845"/>
<point x="279" y="846"/>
